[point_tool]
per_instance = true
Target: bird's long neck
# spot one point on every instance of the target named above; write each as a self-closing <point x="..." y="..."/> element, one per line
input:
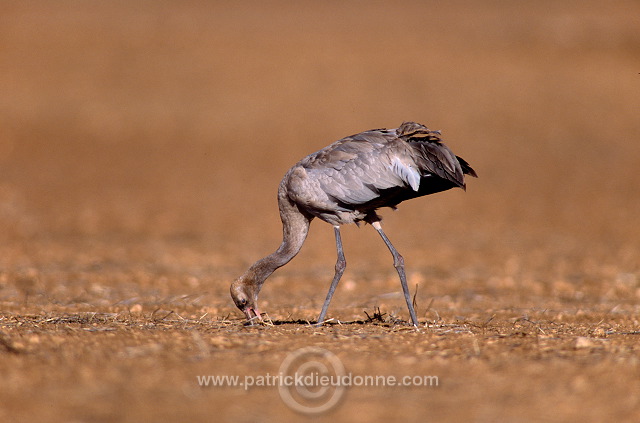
<point x="295" y="226"/>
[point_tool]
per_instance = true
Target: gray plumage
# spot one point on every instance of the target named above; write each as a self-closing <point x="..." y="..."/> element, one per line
<point x="346" y="182"/>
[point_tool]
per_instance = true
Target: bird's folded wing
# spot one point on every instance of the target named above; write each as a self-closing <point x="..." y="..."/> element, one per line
<point x="359" y="178"/>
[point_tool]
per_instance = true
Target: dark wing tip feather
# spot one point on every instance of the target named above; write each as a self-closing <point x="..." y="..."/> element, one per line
<point x="466" y="168"/>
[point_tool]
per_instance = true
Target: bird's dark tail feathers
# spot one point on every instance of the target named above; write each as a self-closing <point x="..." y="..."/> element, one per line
<point x="438" y="159"/>
<point x="412" y="131"/>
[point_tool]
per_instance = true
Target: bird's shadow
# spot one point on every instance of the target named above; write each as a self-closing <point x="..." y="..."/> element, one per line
<point x="315" y="323"/>
<point x="327" y="323"/>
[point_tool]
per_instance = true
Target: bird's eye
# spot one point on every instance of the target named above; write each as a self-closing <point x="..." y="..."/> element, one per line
<point x="243" y="302"/>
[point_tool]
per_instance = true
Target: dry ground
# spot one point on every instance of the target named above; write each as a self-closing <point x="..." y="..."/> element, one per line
<point x="141" y="144"/>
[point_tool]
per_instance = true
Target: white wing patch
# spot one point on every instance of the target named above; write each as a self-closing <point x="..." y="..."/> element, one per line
<point x="407" y="173"/>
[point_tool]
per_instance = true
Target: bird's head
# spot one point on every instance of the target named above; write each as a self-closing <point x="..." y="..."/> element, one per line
<point x="245" y="296"/>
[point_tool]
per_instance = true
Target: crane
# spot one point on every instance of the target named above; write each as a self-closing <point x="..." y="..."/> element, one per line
<point x="347" y="182"/>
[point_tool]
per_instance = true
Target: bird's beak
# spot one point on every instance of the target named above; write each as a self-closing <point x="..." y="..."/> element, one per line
<point x="252" y="314"/>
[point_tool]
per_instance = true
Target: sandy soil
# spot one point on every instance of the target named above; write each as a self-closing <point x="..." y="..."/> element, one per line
<point x="141" y="144"/>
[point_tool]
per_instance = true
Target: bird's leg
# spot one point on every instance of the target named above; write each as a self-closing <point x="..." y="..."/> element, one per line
<point x="398" y="263"/>
<point x="341" y="264"/>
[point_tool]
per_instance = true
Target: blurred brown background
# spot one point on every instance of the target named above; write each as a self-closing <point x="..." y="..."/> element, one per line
<point x="176" y="120"/>
<point x="179" y="118"/>
<point x="153" y="135"/>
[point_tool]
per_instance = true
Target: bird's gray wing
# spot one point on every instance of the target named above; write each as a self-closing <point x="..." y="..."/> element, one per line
<point x="354" y="170"/>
